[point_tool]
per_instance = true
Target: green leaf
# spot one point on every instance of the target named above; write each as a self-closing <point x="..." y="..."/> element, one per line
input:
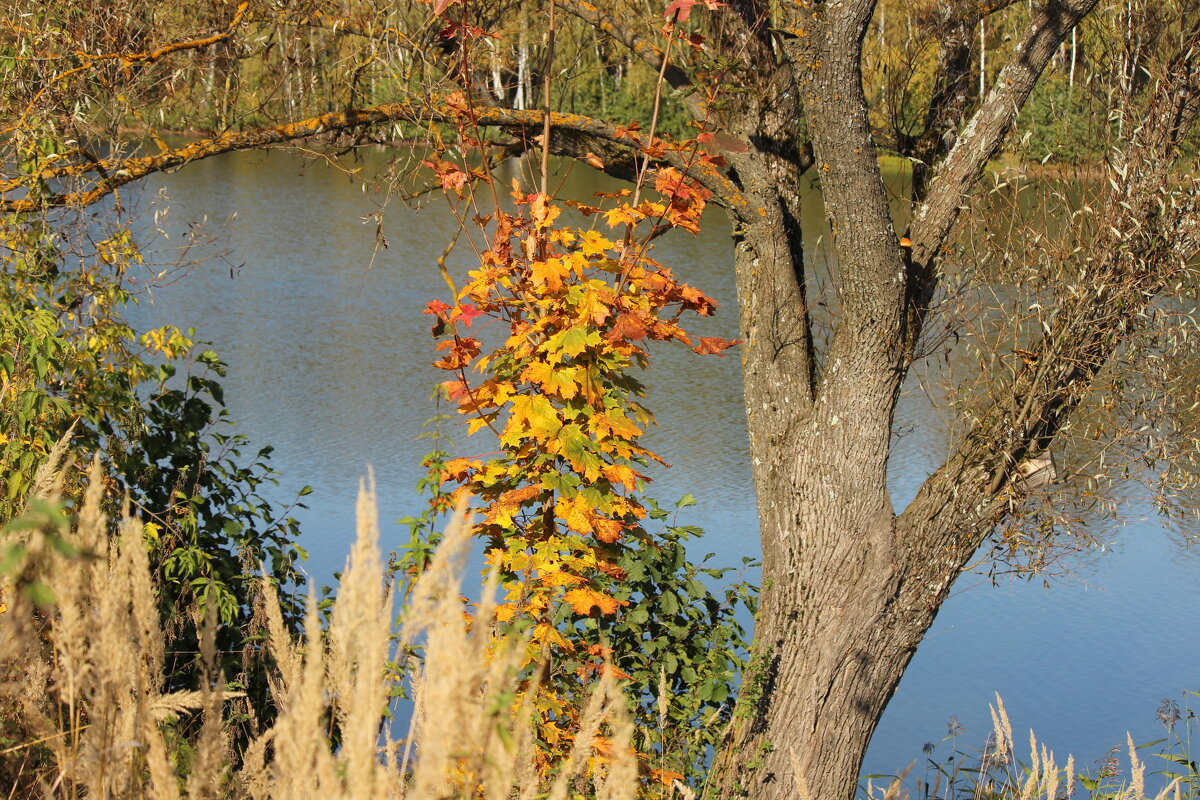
<point x="668" y="603"/>
<point x="572" y="341"/>
<point x="577" y="447"/>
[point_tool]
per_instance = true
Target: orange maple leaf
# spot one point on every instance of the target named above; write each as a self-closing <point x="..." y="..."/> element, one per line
<point x="714" y="344"/>
<point x="549" y="273"/>
<point x="665" y="776"/>
<point x="582" y="601"/>
<point x="542" y="212"/>
<point x="449" y="174"/>
<point x="629" y="326"/>
<point x="456" y="468"/>
<point x="607" y="530"/>
<point x="622" y="475"/>
<point x="696" y="300"/>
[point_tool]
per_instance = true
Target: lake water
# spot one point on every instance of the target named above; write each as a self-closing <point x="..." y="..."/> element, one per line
<point x="329" y="362"/>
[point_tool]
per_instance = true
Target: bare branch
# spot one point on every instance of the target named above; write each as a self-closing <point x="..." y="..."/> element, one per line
<point x="90" y="60"/>
<point x="1148" y="235"/>
<point x="977" y="144"/>
<point x="640" y="46"/>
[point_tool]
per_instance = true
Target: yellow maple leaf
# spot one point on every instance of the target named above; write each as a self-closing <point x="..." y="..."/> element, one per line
<point x="576" y="512"/>
<point x="549" y="273"/>
<point x="577" y="262"/>
<point x="532" y="416"/>
<point x="542" y="212"/>
<point x="548" y="633"/>
<point x="563" y="236"/>
<point x="509" y="504"/>
<point x="615" y="424"/>
<point x="559" y="578"/>
<point x="621" y="215"/>
<point x="591" y="243"/>
<point x="556" y="380"/>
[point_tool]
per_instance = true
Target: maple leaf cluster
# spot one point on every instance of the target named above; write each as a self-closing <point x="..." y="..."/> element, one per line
<point x="541" y="345"/>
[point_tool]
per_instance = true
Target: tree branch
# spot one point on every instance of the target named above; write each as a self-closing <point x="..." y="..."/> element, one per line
<point x="645" y="49"/>
<point x="977" y="144"/>
<point x="990" y="124"/>
<point x="953" y="28"/>
<point x="117" y="172"/>
<point x="89" y="60"/>
<point x="1147" y="236"/>
<point x="824" y="44"/>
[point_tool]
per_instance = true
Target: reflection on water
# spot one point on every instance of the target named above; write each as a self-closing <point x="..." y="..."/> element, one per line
<point x="329" y="359"/>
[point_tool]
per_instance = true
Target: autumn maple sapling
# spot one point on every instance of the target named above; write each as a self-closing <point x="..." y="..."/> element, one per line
<point x="561" y="499"/>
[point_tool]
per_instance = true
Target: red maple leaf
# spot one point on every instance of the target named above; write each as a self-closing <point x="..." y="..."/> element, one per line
<point x="683" y="8"/>
<point x="719" y="142"/>
<point x="436" y="307"/>
<point x="467" y="313"/>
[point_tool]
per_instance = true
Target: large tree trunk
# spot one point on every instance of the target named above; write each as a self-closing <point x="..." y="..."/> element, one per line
<point x="849" y="589"/>
<point x="828" y="648"/>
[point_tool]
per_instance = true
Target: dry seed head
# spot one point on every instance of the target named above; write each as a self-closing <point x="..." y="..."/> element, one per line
<point x="1049" y="775"/>
<point x="1137" y="771"/>
<point x="594" y="714"/>
<point x="1002" y="729"/>
<point x="110" y="742"/>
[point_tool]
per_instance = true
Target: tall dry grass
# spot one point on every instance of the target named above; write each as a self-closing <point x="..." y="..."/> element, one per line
<point x="1001" y="773"/>
<point x="82" y="689"/>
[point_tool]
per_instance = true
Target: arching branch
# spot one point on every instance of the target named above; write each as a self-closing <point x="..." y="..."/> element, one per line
<point x="571" y="131"/>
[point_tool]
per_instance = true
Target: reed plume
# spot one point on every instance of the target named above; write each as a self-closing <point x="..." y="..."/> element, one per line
<point x="83" y="689"/>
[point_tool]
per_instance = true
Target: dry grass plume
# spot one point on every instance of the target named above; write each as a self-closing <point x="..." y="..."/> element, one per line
<point x="82" y="690"/>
